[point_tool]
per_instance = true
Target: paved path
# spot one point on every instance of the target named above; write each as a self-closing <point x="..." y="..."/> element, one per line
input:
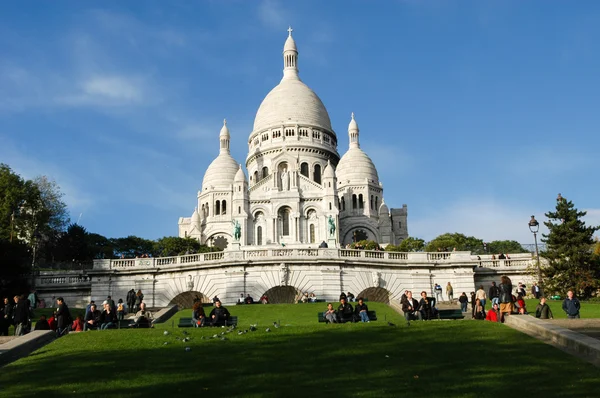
<point x="589" y="327"/>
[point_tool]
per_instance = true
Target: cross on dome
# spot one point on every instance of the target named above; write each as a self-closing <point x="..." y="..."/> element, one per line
<point x="290" y="30"/>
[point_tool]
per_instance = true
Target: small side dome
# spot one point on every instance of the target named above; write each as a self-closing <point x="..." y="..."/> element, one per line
<point x="356" y="167"/>
<point x="240" y="176"/>
<point x="195" y="216"/>
<point x="383" y="209"/>
<point x="329" y="172"/>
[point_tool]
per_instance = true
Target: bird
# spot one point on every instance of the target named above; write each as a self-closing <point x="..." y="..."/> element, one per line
<point x="188" y="349"/>
<point x="184" y="332"/>
<point x="223" y="338"/>
<point x="166" y="332"/>
<point x="391" y="324"/>
<point x="267" y="330"/>
<point x="252" y="328"/>
<point x="215" y="336"/>
<point x="166" y="342"/>
<point x="240" y="332"/>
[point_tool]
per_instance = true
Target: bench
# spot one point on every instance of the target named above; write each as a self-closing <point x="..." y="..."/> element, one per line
<point x="372" y="316"/>
<point x="450" y="314"/>
<point x="187" y="322"/>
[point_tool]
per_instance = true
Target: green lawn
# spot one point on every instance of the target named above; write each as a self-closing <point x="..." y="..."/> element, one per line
<point x="302" y="358"/>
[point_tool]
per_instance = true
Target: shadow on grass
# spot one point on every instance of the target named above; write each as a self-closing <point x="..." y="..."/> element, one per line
<point x="428" y="359"/>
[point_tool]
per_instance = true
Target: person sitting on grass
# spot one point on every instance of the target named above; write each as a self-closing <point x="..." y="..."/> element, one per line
<point x="219" y="315"/>
<point x="543" y="310"/>
<point x="330" y="314"/>
<point x="362" y="310"/>
<point x="241" y="299"/>
<point x="108" y="319"/>
<point x="493" y="315"/>
<point x="345" y="311"/>
<point x="42" y="324"/>
<point x="198" y="315"/>
<point x="77" y="325"/>
<point x="350" y="297"/>
<point x="264" y="299"/>
<point x="313" y="297"/>
<point x="92" y="319"/>
<point x="521" y="304"/>
<point x="249" y="299"/>
<point x="478" y="311"/>
<point x="143" y="318"/>
<point x="410" y="308"/>
<point x="52" y="321"/>
<point x="425" y="306"/>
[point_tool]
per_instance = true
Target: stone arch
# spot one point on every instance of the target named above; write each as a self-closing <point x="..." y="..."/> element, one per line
<point x="348" y="235"/>
<point x="220" y="239"/>
<point x="186" y="299"/>
<point x="377" y="294"/>
<point x="283" y="295"/>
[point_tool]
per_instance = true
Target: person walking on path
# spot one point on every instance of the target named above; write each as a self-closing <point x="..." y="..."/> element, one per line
<point x="543" y="310"/>
<point x="571" y="306"/>
<point x="438" y="293"/>
<point x="450" y="292"/>
<point x="481" y="296"/>
<point x="494" y="293"/>
<point x="506" y="301"/>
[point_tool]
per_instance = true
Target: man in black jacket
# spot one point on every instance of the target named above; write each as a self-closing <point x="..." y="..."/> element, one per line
<point x="92" y="319"/>
<point x="410" y="308"/>
<point x="63" y="317"/>
<point x="571" y="306"/>
<point x="21" y="315"/>
<point x="219" y="315"/>
<point x="494" y="293"/>
<point x="130" y="301"/>
<point x="345" y="311"/>
<point x="6" y="317"/>
<point x="362" y="311"/>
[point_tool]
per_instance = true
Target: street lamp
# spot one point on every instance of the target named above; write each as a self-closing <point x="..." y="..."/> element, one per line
<point x="534" y="227"/>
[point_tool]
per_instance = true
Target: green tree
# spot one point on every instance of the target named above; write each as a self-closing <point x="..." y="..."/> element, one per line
<point x="73" y="245"/>
<point x="99" y="246"/>
<point x="15" y="262"/>
<point x="175" y="246"/>
<point x="505" y="246"/>
<point x="570" y="252"/>
<point x="133" y="246"/>
<point x="409" y="244"/>
<point x="458" y="241"/>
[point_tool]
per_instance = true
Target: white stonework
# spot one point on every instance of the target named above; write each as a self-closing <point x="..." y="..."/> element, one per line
<point x="296" y="179"/>
<point x="325" y="272"/>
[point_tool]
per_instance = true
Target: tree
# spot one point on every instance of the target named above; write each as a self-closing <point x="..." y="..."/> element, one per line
<point x="175" y="246"/>
<point x="73" y="245"/>
<point x="570" y="252"/>
<point x="460" y="242"/>
<point x="409" y="244"/>
<point x="505" y="246"/>
<point x="51" y="199"/>
<point x="133" y="246"/>
<point x="99" y="246"/>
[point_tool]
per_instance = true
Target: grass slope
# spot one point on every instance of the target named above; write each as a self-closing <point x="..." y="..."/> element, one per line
<point x="303" y="358"/>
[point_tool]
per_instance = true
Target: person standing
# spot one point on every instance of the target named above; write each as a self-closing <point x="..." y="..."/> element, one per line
<point x="63" y="317"/>
<point x="131" y="301"/>
<point x="535" y="290"/>
<point x="543" y="310"/>
<point x="571" y="306"/>
<point x="438" y="293"/>
<point x="139" y="297"/>
<point x="494" y="293"/>
<point x="463" y="300"/>
<point x="21" y="315"/>
<point x="6" y="317"/>
<point x="506" y="300"/>
<point x="481" y="296"/>
<point x="450" y="292"/>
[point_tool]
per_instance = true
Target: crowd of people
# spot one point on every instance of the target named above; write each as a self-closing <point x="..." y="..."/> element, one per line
<point x="346" y="313"/>
<point x="264" y="299"/>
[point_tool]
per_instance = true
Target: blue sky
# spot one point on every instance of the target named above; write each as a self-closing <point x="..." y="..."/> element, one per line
<point x="476" y="113"/>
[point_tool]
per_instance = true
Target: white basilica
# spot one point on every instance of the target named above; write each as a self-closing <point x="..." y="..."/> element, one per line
<point x="298" y="186"/>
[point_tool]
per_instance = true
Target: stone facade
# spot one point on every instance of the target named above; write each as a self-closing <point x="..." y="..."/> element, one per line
<point x="379" y="276"/>
<point x="299" y="193"/>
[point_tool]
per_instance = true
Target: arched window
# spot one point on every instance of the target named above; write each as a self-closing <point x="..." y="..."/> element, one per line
<point x="256" y="176"/>
<point x="317" y="174"/>
<point x="224" y="207"/>
<point x="377" y="203"/>
<point x="354" y="201"/>
<point x="343" y="204"/>
<point x="284" y="214"/>
<point x="371" y="202"/>
<point x="304" y="169"/>
<point x="360" y="201"/>
<point x="259" y="235"/>
<point x="265" y="172"/>
<point x="217" y="208"/>
<point x="206" y="209"/>
<point x="312" y="233"/>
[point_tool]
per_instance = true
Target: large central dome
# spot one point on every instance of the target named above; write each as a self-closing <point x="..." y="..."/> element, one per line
<point x="291" y="101"/>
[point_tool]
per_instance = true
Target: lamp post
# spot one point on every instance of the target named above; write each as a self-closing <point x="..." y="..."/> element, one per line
<point x="534" y="227"/>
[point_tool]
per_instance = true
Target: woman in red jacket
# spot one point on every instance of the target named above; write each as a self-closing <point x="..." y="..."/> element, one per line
<point x="493" y="315"/>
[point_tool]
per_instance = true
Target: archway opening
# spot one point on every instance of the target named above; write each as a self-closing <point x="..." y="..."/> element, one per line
<point x="283" y="295"/>
<point x="187" y="299"/>
<point x="377" y="294"/>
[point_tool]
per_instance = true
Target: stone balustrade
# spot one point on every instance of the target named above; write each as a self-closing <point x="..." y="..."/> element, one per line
<point x="63" y="278"/>
<point x="253" y="254"/>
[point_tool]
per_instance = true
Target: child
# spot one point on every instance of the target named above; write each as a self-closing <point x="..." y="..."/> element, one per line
<point x="120" y="310"/>
<point x="77" y="325"/>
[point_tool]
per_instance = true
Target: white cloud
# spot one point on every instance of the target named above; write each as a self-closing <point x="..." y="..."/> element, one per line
<point x="115" y="87"/>
<point x="272" y="14"/>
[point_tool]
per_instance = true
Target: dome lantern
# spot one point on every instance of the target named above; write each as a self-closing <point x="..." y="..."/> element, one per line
<point x="224" y="138"/>
<point x="353" y="133"/>
<point x="290" y="57"/>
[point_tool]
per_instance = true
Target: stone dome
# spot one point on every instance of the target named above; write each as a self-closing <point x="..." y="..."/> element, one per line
<point x="292" y="102"/>
<point x="356" y="166"/>
<point x="240" y="176"/>
<point x="221" y="171"/>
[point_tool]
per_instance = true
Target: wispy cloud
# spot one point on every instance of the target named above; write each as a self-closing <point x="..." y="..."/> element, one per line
<point x="109" y="90"/>
<point x="272" y="14"/>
